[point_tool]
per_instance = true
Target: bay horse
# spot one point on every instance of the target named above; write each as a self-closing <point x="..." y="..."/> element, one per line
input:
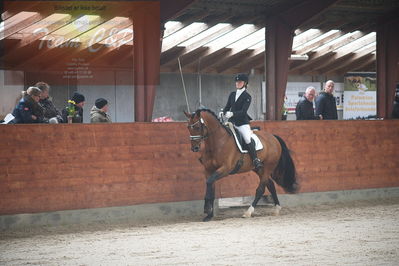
<point x="221" y="157"/>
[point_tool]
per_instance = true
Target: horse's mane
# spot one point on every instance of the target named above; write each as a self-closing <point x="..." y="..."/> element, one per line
<point x="205" y="110"/>
<point x="198" y="111"/>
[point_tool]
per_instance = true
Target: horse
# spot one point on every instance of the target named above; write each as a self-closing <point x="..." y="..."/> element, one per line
<point x="221" y="157"/>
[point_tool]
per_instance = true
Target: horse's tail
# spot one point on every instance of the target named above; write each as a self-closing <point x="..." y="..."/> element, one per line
<point x="285" y="174"/>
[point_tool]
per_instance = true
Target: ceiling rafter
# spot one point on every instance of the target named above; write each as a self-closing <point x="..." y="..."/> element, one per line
<point x="347" y="59"/>
<point x="308" y="47"/>
<point x="327" y="50"/>
<point x="344" y="52"/>
<point x="355" y="64"/>
<point x="215" y="46"/>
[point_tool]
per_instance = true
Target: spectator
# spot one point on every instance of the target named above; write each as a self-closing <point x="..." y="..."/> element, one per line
<point x="76" y="102"/>
<point x="395" y="111"/>
<point x="304" y="109"/>
<point x="49" y="109"/>
<point x="28" y="109"/>
<point x="325" y="103"/>
<point x="98" y="113"/>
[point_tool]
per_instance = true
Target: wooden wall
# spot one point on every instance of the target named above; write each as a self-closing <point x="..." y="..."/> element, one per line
<point x="77" y="166"/>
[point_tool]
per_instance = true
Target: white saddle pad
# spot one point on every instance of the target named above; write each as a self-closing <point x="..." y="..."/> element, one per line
<point x="258" y="143"/>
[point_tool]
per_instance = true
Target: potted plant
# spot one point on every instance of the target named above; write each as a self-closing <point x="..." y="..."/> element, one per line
<point x="71" y="110"/>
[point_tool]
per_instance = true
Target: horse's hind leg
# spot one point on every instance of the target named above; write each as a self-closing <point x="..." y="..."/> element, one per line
<point x="260" y="190"/>
<point x="272" y="189"/>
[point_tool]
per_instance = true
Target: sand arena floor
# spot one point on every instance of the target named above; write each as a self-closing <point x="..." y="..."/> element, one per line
<point x="356" y="233"/>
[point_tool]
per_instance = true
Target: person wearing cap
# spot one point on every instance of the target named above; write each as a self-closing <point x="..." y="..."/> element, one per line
<point x="98" y="113"/>
<point x="236" y="112"/>
<point x="78" y="101"/>
<point x="28" y="109"/>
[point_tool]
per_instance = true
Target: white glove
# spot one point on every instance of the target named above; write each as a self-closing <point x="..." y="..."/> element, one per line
<point x="229" y="114"/>
<point x="220" y="114"/>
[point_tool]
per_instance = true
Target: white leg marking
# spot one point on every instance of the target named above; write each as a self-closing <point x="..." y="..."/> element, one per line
<point x="249" y="212"/>
<point x="276" y="210"/>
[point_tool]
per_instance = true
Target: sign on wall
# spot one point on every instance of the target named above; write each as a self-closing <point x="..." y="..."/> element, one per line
<point x="360" y="95"/>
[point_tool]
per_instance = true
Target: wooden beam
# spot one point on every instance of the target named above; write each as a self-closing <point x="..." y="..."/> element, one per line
<point x="327" y="51"/>
<point x="18" y="22"/>
<point x="183" y="24"/>
<point x="387" y="66"/>
<point x="217" y="45"/>
<point x="197" y="44"/>
<point x="347" y="51"/>
<point x="279" y="39"/>
<point x="354" y="65"/>
<point x="346" y="60"/>
<point x="170" y="9"/>
<point x="304" y="37"/>
<point x="325" y="38"/>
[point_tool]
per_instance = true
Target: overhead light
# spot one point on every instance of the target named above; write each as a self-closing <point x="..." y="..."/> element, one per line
<point x="301" y="57"/>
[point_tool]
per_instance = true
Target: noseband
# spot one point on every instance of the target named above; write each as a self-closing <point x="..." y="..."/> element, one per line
<point x="199" y="137"/>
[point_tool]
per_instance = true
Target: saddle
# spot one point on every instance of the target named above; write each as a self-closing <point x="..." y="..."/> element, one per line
<point x="241" y="145"/>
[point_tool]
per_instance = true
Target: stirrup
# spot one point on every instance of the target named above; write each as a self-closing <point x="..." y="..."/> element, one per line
<point x="257" y="163"/>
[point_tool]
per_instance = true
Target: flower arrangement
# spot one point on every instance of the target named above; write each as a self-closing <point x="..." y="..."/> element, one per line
<point x="71" y="110"/>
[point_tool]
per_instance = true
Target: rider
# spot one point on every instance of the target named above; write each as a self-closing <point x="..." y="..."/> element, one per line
<point x="236" y="111"/>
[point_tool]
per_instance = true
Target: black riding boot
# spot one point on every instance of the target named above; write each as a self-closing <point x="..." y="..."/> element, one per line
<point x="252" y="152"/>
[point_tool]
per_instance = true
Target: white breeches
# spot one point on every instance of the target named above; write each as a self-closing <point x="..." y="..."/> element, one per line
<point x="246" y="132"/>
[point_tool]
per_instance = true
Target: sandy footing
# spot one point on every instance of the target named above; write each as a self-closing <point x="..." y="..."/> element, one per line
<point x="355" y="233"/>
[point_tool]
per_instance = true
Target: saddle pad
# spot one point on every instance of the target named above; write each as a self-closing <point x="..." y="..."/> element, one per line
<point x="258" y="143"/>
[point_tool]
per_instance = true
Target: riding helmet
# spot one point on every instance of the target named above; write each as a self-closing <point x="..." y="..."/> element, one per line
<point x="241" y="77"/>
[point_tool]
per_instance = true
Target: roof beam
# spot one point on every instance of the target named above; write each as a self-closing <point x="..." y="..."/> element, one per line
<point x="327" y="50"/>
<point x="182" y="24"/>
<point x="305" y="37"/>
<point x="18" y="22"/>
<point x="170" y="9"/>
<point x="217" y="45"/>
<point x="347" y="59"/>
<point x="307" y="47"/>
<point x="355" y="65"/>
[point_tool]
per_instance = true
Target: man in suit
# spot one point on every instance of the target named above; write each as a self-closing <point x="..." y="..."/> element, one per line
<point x="236" y="111"/>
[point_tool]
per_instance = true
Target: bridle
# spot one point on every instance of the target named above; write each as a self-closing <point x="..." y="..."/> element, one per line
<point x="202" y="136"/>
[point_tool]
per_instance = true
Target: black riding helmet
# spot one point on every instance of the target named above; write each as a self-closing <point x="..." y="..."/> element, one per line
<point x="242" y="77"/>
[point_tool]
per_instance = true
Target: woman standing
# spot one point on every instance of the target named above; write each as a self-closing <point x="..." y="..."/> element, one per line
<point x="28" y="109"/>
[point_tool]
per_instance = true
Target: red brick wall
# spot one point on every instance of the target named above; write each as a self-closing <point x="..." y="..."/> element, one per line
<point x="61" y="167"/>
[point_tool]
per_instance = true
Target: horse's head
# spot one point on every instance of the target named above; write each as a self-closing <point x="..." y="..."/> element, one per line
<point x="197" y="128"/>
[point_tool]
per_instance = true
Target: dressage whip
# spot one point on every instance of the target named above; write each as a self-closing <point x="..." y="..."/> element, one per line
<point x="184" y="86"/>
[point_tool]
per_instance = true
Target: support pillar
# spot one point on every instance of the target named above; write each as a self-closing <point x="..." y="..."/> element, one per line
<point x="279" y="35"/>
<point x="146" y="59"/>
<point x="278" y="48"/>
<point x="387" y="66"/>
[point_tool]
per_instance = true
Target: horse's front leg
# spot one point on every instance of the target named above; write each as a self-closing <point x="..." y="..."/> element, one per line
<point x="210" y="195"/>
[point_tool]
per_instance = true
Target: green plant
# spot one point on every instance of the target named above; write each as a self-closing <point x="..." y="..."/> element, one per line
<point x="71" y="110"/>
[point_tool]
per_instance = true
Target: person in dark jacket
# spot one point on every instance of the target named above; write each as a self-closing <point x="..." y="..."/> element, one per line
<point x="395" y="110"/>
<point x="50" y="111"/>
<point x="236" y="111"/>
<point x="325" y="103"/>
<point x="77" y="102"/>
<point x="28" y="109"/>
<point x="304" y="108"/>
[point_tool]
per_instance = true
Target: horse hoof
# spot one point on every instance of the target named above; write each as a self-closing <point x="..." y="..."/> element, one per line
<point x="207" y="218"/>
<point x="276" y="211"/>
<point x="248" y="213"/>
